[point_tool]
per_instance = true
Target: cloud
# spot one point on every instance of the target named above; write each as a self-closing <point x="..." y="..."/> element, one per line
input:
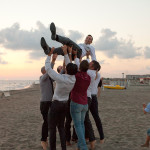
<point x="148" y="67"/>
<point x="2" y="61"/>
<point x="147" y="52"/>
<point x="2" y="53"/>
<point x="75" y="36"/>
<point x="101" y="61"/>
<point x="36" y="54"/>
<point x="14" y="38"/>
<point x="112" y="46"/>
<point x="29" y="62"/>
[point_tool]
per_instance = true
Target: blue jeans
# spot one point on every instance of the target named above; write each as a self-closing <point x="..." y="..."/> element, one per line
<point x="78" y="112"/>
<point x="148" y="132"/>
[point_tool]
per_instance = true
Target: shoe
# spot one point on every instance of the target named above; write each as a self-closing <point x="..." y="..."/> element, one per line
<point x="45" y="46"/>
<point x="44" y="145"/>
<point x="68" y="143"/>
<point x="53" y="31"/>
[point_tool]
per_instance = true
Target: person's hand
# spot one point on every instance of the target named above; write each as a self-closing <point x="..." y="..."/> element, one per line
<point x="51" y="52"/>
<point x="69" y="49"/>
<point x="64" y="48"/>
<point x="54" y="58"/>
<point x="87" y="54"/>
<point x="96" y="74"/>
<point x="64" y="65"/>
<point x="144" y="105"/>
<point x="80" y="59"/>
<point x="74" y="52"/>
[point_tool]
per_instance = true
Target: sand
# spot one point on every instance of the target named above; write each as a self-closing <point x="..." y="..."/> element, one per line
<point x="124" y="122"/>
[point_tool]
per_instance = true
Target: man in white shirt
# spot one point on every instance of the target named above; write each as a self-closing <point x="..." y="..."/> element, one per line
<point x="81" y="48"/>
<point x="95" y="66"/>
<point x="64" y="84"/>
<point x="94" y="103"/>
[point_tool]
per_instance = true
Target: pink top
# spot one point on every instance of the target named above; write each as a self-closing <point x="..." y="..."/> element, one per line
<point x="79" y="91"/>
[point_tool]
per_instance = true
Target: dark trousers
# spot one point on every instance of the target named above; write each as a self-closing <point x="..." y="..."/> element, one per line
<point x="57" y="115"/>
<point x="95" y="114"/>
<point x="67" y="41"/>
<point x="44" y="107"/>
<point x="68" y="125"/>
<point x="89" y="132"/>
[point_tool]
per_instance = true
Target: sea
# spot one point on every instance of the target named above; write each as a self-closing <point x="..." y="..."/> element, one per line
<point x="7" y="85"/>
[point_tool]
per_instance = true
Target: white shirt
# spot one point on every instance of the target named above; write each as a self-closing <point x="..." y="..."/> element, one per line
<point x="85" y="48"/>
<point x="95" y="84"/>
<point x="64" y="82"/>
<point x="92" y="74"/>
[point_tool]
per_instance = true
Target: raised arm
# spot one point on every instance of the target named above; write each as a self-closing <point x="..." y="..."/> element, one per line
<point x="67" y="60"/>
<point x="92" y="52"/>
<point x="53" y="60"/>
<point x="76" y="60"/>
<point x="87" y="56"/>
<point x="54" y="75"/>
<point x="70" y="52"/>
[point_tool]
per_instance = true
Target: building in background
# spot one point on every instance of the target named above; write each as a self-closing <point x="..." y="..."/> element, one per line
<point x="135" y="77"/>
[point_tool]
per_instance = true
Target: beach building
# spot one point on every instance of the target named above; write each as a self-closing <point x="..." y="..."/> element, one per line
<point x="138" y="79"/>
<point x="130" y="80"/>
<point x="135" y="77"/>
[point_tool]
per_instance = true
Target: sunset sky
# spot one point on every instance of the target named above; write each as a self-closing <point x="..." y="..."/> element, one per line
<point x="121" y="31"/>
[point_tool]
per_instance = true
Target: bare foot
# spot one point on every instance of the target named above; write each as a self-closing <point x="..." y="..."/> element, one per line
<point x="92" y="144"/>
<point x="145" y="145"/>
<point x="87" y="140"/>
<point x="47" y="143"/>
<point x="44" y="145"/>
<point x="74" y="140"/>
<point x="68" y="143"/>
<point x="102" y="141"/>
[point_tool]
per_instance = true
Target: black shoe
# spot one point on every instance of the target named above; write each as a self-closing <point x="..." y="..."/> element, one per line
<point x="45" y="46"/>
<point x="53" y="31"/>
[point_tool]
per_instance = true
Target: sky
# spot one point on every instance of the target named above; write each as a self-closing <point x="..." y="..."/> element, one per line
<point x="120" y="30"/>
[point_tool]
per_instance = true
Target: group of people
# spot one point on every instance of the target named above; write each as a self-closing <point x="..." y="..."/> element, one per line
<point x="74" y="95"/>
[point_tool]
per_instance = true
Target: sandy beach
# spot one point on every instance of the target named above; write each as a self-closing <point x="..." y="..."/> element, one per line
<point x="124" y="122"/>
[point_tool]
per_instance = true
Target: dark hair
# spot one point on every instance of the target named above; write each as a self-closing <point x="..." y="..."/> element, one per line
<point x="71" y="69"/>
<point x="96" y="65"/>
<point x="84" y="66"/>
<point x="91" y="36"/>
<point x="58" y="70"/>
